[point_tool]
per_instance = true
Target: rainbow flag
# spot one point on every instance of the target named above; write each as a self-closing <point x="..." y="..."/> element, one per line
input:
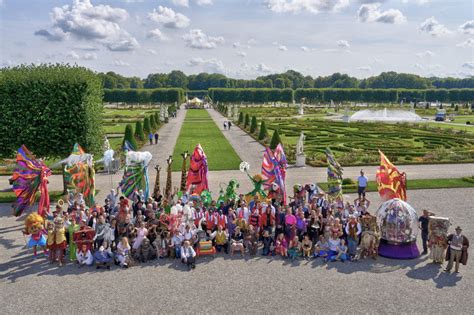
<point x="274" y="167"/>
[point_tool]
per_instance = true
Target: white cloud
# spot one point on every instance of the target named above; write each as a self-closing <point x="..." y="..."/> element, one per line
<point x="88" y="22"/>
<point x="311" y="6"/>
<point x="467" y="43"/>
<point x="152" y="51"/>
<point x="242" y="54"/>
<point x="182" y="3"/>
<point x="126" y="44"/>
<point x="282" y="48"/>
<point x="420" y="2"/>
<point x="156" y="34"/>
<point x="365" y="68"/>
<point x="343" y="44"/>
<point x="72" y="55"/>
<point x="418" y="66"/>
<point x="433" y="27"/>
<point x="372" y="13"/>
<point x="196" y="38"/>
<point x="212" y="65"/>
<point x="169" y="18"/>
<point x="304" y="48"/>
<point x="425" y="54"/>
<point x="121" y="63"/>
<point x="468" y="27"/>
<point x="261" y="67"/>
<point x="90" y="56"/>
<point x="203" y="2"/>
<point x="86" y="47"/>
<point x="468" y="65"/>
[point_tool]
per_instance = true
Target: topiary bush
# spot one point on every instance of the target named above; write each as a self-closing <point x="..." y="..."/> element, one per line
<point x="241" y="118"/>
<point x="275" y="140"/>
<point x="253" y="125"/>
<point x="49" y="108"/>
<point x="139" y="131"/>
<point x="263" y="131"/>
<point x="128" y="136"/>
<point x="247" y="121"/>
<point x="146" y="126"/>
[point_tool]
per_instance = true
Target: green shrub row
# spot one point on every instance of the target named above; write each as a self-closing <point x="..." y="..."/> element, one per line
<point x="142" y="96"/>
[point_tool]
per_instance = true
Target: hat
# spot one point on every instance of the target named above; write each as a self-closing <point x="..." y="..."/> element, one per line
<point x="458" y="228"/>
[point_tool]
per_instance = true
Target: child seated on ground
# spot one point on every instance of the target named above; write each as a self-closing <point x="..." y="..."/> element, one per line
<point x="321" y="248"/>
<point x="268" y="244"/>
<point x="123" y="252"/>
<point x="237" y="242"/>
<point x="281" y="246"/>
<point x="84" y="256"/>
<point x="294" y="248"/>
<point x="103" y="257"/>
<point x="306" y="246"/>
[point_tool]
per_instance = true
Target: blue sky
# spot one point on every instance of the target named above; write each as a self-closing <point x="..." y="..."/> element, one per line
<point x="243" y="38"/>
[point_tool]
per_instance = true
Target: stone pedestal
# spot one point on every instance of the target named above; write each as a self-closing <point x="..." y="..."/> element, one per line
<point x="300" y="160"/>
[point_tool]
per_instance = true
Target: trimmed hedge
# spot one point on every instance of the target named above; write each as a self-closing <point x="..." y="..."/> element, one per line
<point x="49" y="108"/>
<point x="251" y="95"/>
<point x="143" y="95"/>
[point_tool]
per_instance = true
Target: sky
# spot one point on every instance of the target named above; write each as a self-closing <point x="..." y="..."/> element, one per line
<point x="242" y="38"/>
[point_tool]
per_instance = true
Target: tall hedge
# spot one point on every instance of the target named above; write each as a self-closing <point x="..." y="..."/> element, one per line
<point x="263" y="131"/>
<point x="135" y="96"/>
<point x="152" y="122"/>
<point x="224" y="95"/>
<point x="253" y="125"/>
<point x="49" y="108"/>
<point x="275" y="140"/>
<point x="241" y="118"/>
<point x="139" y="131"/>
<point x="247" y="121"/>
<point x="129" y="137"/>
<point x="146" y="126"/>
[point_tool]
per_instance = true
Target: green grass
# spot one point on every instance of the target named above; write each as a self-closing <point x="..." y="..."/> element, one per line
<point x="413" y="184"/>
<point x="126" y="113"/>
<point x="463" y="119"/>
<point x="467" y="128"/>
<point x="198" y="127"/>
<point x="115" y="128"/>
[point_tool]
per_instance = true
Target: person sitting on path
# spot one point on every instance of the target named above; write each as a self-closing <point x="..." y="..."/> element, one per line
<point x="188" y="255"/>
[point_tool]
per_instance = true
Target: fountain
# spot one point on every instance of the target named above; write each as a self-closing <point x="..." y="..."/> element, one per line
<point x="385" y="115"/>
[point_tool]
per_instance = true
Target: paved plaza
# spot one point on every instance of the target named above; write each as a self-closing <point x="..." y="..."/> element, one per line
<point x="250" y="285"/>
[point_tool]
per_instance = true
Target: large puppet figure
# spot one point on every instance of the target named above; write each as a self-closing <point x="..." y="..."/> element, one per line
<point x="34" y="228"/>
<point x="197" y="174"/>
<point x="257" y="182"/>
<point x="30" y="176"/>
<point x="135" y="177"/>
<point x="80" y="174"/>
<point x="334" y="176"/>
<point x="274" y="167"/>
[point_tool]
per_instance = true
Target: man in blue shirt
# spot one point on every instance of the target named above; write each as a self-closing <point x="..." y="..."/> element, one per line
<point x="362" y="181"/>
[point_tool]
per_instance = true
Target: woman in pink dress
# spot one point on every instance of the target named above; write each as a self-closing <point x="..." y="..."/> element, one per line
<point x="142" y="232"/>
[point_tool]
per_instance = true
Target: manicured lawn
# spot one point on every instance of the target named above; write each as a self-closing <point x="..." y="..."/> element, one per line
<point x="139" y="112"/>
<point x="467" y="128"/>
<point x="442" y="183"/>
<point x="116" y="127"/>
<point x="10" y="197"/>
<point x="198" y="127"/>
<point x="463" y="119"/>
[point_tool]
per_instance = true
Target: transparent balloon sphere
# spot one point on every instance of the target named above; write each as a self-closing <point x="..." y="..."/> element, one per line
<point x="398" y="221"/>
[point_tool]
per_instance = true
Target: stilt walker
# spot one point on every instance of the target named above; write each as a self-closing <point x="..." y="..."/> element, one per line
<point x="168" y="178"/>
<point x="157" y="188"/>
<point x="184" y="173"/>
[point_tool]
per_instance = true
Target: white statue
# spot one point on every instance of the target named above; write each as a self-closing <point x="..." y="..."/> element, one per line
<point x="300" y="145"/>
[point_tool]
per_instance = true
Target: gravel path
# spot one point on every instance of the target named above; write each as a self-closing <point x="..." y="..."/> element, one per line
<point x="250" y="285"/>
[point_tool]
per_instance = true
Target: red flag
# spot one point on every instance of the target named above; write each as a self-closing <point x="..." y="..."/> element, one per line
<point x="390" y="182"/>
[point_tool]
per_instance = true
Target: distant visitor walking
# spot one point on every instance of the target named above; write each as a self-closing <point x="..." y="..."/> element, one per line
<point x="150" y="137"/>
<point x="156" y="137"/>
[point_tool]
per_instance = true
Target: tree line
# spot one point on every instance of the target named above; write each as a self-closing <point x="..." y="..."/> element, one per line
<point x="288" y="80"/>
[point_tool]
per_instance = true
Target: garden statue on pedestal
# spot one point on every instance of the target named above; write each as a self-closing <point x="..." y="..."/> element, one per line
<point x="300" y="157"/>
<point x="345" y="117"/>
<point x="300" y="109"/>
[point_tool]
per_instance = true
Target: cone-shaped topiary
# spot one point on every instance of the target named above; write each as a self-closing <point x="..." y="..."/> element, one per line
<point x="263" y="131"/>
<point x="152" y="122"/>
<point x="275" y="139"/>
<point x="241" y="118"/>
<point x="139" y="135"/>
<point x="146" y="125"/>
<point x="129" y="137"/>
<point x="247" y="120"/>
<point x="253" y="125"/>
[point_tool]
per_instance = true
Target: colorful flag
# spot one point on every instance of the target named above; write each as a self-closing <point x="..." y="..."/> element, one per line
<point x="274" y="166"/>
<point x="30" y="175"/>
<point x="79" y="174"/>
<point x="334" y="176"/>
<point x="390" y="182"/>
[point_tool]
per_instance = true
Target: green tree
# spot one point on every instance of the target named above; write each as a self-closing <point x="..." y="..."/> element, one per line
<point x="275" y="140"/>
<point x="263" y="131"/>
<point x="253" y="125"/>
<point x="177" y="79"/>
<point x="241" y="118"/>
<point x="247" y="121"/>
<point x="129" y="137"/>
<point x="146" y="125"/>
<point x="139" y="131"/>
<point x="152" y="122"/>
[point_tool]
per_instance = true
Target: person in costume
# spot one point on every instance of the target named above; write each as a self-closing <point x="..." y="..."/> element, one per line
<point x="438" y="238"/>
<point x="34" y="227"/>
<point x="72" y="228"/>
<point x="57" y="241"/>
<point x="353" y="230"/>
<point x="457" y="250"/>
<point x="103" y="257"/>
<point x="258" y="191"/>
